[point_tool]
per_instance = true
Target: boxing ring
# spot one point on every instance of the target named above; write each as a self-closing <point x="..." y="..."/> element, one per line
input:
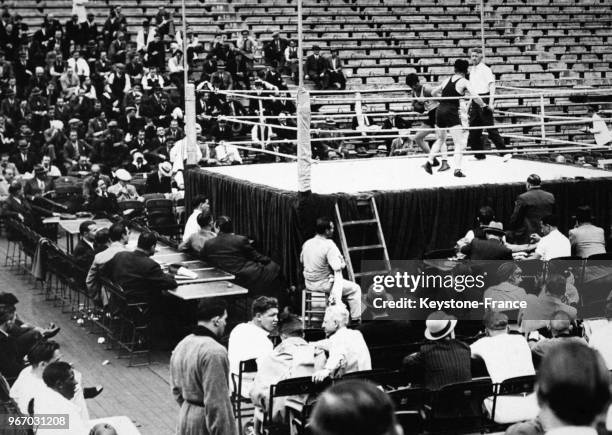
<point x="418" y="212"/>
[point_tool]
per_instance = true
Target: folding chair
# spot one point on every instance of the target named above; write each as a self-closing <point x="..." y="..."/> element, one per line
<point x="237" y="399"/>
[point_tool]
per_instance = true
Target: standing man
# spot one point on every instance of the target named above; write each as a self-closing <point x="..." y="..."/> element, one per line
<point x="449" y="119"/>
<point x="483" y="83"/>
<point x="199" y="373"/>
<point x="323" y="264"/>
<point x="529" y="208"/>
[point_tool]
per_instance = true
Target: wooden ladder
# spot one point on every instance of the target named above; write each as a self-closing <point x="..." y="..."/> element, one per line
<point x="368" y="206"/>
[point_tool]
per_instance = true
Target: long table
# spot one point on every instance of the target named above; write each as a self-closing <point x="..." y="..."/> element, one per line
<point x="210" y="281"/>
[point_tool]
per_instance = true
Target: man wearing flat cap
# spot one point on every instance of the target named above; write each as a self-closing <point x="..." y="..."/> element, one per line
<point x="275" y="49"/>
<point x="292" y="358"/>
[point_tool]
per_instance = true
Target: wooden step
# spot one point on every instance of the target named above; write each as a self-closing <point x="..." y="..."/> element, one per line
<point x="360" y="222"/>
<point x="365" y="247"/>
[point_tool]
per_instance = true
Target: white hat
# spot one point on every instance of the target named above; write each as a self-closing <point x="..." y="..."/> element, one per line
<point x="123" y="175"/>
<point x="165" y="168"/>
<point x="439" y="325"/>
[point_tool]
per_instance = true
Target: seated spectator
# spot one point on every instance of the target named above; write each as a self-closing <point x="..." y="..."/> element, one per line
<point x="250" y="340"/>
<point x="553" y="244"/>
<point x="200" y="204"/>
<point x="275" y="49"/>
<point x="221" y="131"/>
<point x="84" y="250"/>
<point x="25" y="159"/>
<point x="506" y="356"/>
<point x="316" y="68"/>
<point x="599" y="338"/>
<point x="227" y="154"/>
<point x="560" y="330"/>
<point x="56" y="397"/>
<point x="292" y="358"/>
<point x="541" y="308"/>
<point x="323" y="264"/>
<point x="585" y="238"/>
<point x="90" y="183"/>
<point x="139" y="164"/>
<point x="489" y="248"/>
<point x="196" y="241"/>
<point x="39" y="185"/>
<point x="573" y="390"/>
<point x="354" y="407"/>
<point x="443" y="360"/>
<point x="122" y="190"/>
<point x="73" y="149"/>
<point x="52" y="170"/>
<point x="161" y="180"/>
<point x="336" y="76"/>
<point x="30" y="380"/>
<point x="510" y="276"/>
<point x="483" y="218"/>
<point x="234" y="254"/>
<point x="101" y="201"/>
<point x="530" y="207"/>
<point x="18" y="207"/>
<point x="346" y="348"/>
<point x="69" y="83"/>
<point x="140" y="277"/>
<point x="119" y="236"/>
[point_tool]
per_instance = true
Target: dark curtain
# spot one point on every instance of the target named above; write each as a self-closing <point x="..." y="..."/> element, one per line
<point x="413" y="221"/>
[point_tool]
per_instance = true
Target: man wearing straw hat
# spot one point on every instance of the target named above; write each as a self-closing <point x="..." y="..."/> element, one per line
<point x="444" y="359"/>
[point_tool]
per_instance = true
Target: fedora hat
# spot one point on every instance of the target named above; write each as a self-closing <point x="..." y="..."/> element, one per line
<point x="438" y="325"/>
<point x="330" y="121"/>
<point x="496" y="228"/>
<point x="165" y="168"/>
<point x="123" y="175"/>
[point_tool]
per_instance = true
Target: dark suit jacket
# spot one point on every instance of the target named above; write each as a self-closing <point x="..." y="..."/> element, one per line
<point x="489" y="249"/>
<point x="442" y="362"/>
<point x="234" y="254"/>
<point x="10" y="365"/>
<point x="141" y="278"/>
<point x="529" y="208"/>
<point x="315" y="66"/>
<point x="24" y="166"/>
<point x="31" y="187"/>
<point x="83" y="254"/>
<point x="155" y="185"/>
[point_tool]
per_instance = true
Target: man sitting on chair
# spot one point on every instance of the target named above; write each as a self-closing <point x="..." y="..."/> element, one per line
<point x="323" y="264"/>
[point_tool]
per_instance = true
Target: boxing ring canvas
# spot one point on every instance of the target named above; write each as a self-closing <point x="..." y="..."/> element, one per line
<point x="418" y="212"/>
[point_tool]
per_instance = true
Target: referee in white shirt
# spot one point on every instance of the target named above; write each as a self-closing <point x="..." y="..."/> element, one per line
<point x="482" y="81"/>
